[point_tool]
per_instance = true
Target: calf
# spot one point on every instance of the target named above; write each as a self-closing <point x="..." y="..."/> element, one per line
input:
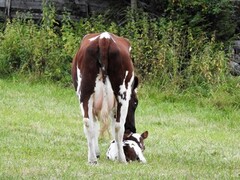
<point x="104" y="80"/>
<point x="133" y="147"/>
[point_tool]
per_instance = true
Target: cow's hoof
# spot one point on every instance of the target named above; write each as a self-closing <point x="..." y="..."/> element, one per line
<point x="123" y="161"/>
<point x="92" y="163"/>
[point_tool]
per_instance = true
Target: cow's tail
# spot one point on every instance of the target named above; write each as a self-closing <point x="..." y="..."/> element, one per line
<point x="104" y="42"/>
<point x="74" y="72"/>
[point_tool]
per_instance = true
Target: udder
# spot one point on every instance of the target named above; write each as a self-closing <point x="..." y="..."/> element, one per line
<point x="104" y="100"/>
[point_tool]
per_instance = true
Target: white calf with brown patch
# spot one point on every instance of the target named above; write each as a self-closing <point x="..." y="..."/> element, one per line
<point x="133" y="146"/>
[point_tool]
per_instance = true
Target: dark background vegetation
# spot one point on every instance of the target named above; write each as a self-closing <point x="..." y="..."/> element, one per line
<point x="176" y="44"/>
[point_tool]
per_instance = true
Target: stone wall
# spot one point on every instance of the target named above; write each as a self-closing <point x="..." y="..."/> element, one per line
<point x="77" y="8"/>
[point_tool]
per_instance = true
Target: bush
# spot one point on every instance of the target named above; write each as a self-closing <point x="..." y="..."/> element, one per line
<point x="168" y="55"/>
<point x="164" y="51"/>
<point x="14" y="46"/>
<point x="37" y="51"/>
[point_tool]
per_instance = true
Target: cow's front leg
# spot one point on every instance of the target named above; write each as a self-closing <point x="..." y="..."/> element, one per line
<point x="122" y="110"/>
<point x="119" y="131"/>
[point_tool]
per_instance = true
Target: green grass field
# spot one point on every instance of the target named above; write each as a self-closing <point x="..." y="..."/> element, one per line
<point x="190" y="136"/>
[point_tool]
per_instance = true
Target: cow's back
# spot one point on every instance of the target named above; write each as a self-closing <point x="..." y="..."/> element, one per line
<point x="87" y="60"/>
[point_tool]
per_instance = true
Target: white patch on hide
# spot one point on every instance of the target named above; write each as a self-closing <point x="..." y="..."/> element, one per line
<point x="105" y="35"/>
<point x="112" y="152"/>
<point x="93" y="38"/>
<point x="137" y="150"/>
<point x="79" y="80"/>
<point x="137" y="136"/>
<point x="125" y="91"/>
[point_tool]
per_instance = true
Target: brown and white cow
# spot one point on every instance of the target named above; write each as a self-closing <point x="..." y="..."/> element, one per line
<point x="103" y="77"/>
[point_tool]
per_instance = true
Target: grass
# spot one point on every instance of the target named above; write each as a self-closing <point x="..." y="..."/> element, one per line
<point x="190" y="136"/>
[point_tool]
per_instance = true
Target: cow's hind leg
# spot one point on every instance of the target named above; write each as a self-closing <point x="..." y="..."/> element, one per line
<point x="96" y="129"/>
<point x="90" y="131"/>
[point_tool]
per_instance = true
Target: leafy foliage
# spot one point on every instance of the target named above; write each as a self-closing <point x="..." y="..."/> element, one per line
<point x="219" y="16"/>
<point x="168" y="54"/>
<point x="165" y="51"/>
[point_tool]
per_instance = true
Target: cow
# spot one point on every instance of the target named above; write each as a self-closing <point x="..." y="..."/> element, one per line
<point x="105" y="83"/>
<point x="133" y="146"/>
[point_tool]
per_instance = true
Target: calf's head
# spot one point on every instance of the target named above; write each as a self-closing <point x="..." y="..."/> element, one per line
<point x="133" y="146"/>
<point x="138" y="138"/>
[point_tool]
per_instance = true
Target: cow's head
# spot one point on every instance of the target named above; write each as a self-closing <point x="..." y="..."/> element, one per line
<point x="133" y="102"/>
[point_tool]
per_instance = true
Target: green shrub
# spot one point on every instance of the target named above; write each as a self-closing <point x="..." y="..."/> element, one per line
<point x="14" y="47"/>
<point x="36" y="50"/>
<point x="165" y="52"/>
<point x="168" y="55"/>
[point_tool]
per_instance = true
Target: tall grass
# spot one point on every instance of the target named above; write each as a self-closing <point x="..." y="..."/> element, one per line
<point x="164" y="52"/>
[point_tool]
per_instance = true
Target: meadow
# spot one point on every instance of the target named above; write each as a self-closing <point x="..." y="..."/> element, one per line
<point x="191" y="136"/>
<point x="188" y="101"/>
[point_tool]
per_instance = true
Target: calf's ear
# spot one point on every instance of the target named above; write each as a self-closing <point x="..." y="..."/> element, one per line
<point x="144" y="135"/>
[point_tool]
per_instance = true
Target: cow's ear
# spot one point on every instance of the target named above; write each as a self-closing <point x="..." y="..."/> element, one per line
<point x="135" y="82"/>
<point x="144" y="135"/>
